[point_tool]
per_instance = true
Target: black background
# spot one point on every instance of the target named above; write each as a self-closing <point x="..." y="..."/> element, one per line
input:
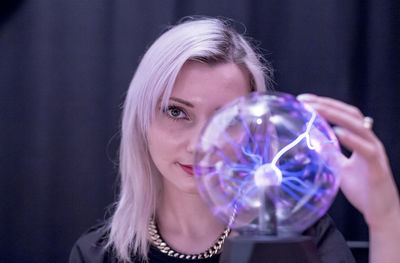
<point x="65" y="67"/>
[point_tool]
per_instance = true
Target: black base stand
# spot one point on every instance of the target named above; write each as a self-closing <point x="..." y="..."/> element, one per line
<point x="270" y="249"/>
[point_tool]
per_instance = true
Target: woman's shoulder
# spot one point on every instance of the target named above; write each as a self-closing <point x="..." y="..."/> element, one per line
<point x="330" y="242"/>
<point x="91" y="246"/>
<point x="96" y="234"/>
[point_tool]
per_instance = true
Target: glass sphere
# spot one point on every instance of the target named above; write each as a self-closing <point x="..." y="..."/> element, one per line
<point x="267" y="146"/>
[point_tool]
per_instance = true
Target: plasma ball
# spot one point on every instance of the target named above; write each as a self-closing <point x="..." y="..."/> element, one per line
<point x="267" y="140"/>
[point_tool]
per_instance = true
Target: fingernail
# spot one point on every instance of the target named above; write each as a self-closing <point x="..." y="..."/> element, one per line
<point x="306" y="97"/>
<point x="339" y="131"/>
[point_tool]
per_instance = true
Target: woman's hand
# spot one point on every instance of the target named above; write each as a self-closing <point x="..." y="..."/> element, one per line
<point x="366" y="178"/>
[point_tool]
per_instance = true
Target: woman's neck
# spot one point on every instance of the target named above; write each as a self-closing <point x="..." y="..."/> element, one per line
<point x="185" y="222"/>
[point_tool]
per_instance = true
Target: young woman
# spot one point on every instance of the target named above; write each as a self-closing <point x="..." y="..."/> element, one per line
<point x="189" y="72"/>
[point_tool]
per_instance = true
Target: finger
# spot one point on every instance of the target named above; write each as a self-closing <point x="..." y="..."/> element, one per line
<point x="349" y="122"/>
<point x="365" y="148"/>
<point x="332" y="103"/>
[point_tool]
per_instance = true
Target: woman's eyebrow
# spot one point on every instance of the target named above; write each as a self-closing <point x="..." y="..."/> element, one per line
<point x="182" y="101"/>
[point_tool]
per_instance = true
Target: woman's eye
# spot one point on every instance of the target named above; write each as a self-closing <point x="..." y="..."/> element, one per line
<point x="175" y="112"/>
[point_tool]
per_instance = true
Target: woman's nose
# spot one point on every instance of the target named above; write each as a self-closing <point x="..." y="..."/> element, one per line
<point x="194" y="138"/>
<point x="191" y="146"/>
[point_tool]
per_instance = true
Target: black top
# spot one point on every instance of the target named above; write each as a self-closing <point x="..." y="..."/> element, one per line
<point x="90" y="247"/>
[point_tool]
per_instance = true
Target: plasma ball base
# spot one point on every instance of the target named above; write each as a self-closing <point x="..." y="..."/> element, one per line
<point x="266" y="249"/>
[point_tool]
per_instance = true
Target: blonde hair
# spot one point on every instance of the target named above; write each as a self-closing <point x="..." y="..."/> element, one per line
<point x="208" y="40"/>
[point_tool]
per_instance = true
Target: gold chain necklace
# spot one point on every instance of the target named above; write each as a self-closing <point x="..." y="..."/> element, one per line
<point x="164" y="248"/>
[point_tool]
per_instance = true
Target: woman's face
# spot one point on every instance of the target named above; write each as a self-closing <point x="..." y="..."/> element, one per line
<point x="199" y="91"/>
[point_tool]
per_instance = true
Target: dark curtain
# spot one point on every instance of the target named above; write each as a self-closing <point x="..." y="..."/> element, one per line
<point x="65" y="67"/>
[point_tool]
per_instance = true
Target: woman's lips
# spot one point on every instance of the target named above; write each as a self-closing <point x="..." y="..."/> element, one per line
<point x="187" y="168"/>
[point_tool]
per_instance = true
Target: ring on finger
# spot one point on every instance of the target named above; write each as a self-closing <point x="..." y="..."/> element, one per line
<point x="368" y="122"/>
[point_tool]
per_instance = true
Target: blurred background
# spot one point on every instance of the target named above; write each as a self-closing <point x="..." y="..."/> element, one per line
<point x="65" y="67"/>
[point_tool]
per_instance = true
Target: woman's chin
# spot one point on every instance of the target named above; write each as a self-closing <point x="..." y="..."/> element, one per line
<point x="184" y="185"/>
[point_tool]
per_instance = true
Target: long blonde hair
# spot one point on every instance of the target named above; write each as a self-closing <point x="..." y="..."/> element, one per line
<point x="208" y="40"/>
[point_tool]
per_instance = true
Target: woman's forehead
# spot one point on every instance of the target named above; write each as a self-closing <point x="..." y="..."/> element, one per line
<point x="197" y="81"/>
